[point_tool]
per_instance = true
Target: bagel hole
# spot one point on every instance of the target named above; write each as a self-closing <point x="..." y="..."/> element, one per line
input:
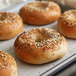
<point x="39" y="39"/>
<point x="43" y="5"/>
<point x="2" y="17"/>
<point x="40" y="5"/>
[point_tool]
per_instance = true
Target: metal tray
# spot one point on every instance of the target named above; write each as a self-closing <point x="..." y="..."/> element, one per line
<point x="44" y="69"/>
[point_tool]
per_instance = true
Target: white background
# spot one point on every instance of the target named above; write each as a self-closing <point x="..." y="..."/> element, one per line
<point x="6" y="3"/>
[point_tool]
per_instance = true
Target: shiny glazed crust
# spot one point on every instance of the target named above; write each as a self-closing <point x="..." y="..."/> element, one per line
<point x="40" y="13"/>
<point x="10" y="25"/>
<point x="7" y="65"/>
<point x="40" y="45"/>
<point x="67" y="24"/>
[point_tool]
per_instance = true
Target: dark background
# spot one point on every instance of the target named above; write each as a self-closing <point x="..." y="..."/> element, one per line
<point x="68" y="71"/>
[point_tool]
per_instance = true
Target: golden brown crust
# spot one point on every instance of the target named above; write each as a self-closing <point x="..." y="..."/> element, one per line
<point x="40" y="13"/>
<point x="7" y="65"/>
<point x="67" y="24"/>
<point x="36" y="48"/>
<point x="10" y="25"/>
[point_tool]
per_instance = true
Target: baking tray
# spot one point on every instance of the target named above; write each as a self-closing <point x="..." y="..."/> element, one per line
<point x="47" y="69"/>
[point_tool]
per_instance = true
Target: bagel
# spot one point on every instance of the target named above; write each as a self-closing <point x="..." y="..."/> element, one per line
<point x="67" y="24"/>
<point x="40" y="45"/>
<point x="10" y="25"/>
<point x="40" y="12"/>
<point x="7" y="65"/>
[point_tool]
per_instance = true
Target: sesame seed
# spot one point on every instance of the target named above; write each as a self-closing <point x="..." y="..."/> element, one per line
<point x="70" y="17"/>
<point x="40" y="6"/>
<point x="7" y="17"/>
<point x="36" y="37"/>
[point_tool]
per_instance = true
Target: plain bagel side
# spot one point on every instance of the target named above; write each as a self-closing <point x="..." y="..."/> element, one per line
<point x="11" y="25"/>
<point x="40" y="45"/>
<point x="40" y="12"/>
